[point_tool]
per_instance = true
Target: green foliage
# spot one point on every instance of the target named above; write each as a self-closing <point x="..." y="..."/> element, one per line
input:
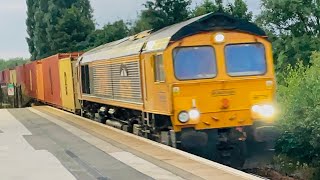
<point x="294" y="17"/>
<point x="57" y="26"/>
<point x="74" y="27"/>
<point x="289" y="166"/>
<point x="110" y="32"/>
<point x="41" y="46"/>
<point x="30" y="22"/>
<point x="207" y="6"/>
<point x="238" y="9"/>
<point x="11" y="63"/>
<point x="161" y="13"/>
<point x="141" y="24"/>
<point x="293" y="27"/>
<point x="300" y="123"/>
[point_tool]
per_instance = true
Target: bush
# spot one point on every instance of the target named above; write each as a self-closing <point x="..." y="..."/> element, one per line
<point x="299" y="97"/>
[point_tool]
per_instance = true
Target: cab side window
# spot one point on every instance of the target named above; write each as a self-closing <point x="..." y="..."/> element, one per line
<point x="85" y="79"/>
<point x="159" y="73"/>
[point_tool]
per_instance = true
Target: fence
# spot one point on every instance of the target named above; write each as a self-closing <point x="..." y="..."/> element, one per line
<point x="11" y="96"/>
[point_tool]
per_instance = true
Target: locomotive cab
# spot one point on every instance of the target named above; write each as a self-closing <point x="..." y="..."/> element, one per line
<point x="223" y="89"/>
<point x="224" y="83"/>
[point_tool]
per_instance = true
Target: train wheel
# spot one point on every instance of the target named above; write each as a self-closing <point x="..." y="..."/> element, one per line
<point x="239" y="155"/>
<point x="232" y="155"/>
<point x="102" y="120"/>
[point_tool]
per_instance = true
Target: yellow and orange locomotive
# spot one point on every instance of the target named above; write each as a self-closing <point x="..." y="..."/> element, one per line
<point x="205" y="85"/>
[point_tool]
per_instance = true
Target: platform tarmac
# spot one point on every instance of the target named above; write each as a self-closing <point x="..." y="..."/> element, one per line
<point x="47" y="143"/>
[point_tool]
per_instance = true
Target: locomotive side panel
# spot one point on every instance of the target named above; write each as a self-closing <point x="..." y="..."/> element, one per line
<point x="126" y="83"/>
<point x="114" y="82"/>
<point x="157" y="86"/>
<point x="102" y="80"/>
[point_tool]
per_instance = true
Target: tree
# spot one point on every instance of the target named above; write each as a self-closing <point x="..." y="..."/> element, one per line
<point x="207" y="6"/>
<point x="11" y="63"/>
<point x="300" y="123"/>
<point x="162" y="13"/>
<point x="72" y="30"/>
<point x="110" y="32"/>
<point x="294" y="28"/>
<point x="30" y="22"/>
<point x="70" y="25"/>
<point x="40" y="36"/>
<point x="238" y="9"/>
<point x="141" y="24"/>
<point x="56" y="26"/>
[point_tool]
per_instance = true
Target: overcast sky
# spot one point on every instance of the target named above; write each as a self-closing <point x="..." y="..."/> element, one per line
<point x="13" y="15"/>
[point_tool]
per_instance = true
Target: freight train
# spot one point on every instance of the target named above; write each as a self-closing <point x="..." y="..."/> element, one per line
<point x="206" y="85"/>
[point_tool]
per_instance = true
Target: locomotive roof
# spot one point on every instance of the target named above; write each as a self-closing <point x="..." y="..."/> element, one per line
<point x="148" y="41"/>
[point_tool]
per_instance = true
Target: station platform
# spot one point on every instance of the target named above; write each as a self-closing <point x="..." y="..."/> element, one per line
<point x="47" y="143"/>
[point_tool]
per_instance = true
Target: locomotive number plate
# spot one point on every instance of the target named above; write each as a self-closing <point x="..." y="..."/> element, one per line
<point x="223" y="92"/>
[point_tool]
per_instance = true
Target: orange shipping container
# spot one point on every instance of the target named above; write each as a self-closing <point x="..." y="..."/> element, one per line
<point x="13" y="76"/>
<point x="51" y="78"/>
<point x="21" y="77"/>
<point x="20" y="74"/>
<point x="31" y="79"/>
<point x="40" y="86"/>
<point x="1" y="77"/>
<point x="6" y="76"/>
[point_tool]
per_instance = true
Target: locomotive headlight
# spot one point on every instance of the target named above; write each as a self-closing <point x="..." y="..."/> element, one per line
<point x="219" y="38"/>
<point x="266" y="111"/>
<point x="194" y="114"/>
<point x="183" y="117"/>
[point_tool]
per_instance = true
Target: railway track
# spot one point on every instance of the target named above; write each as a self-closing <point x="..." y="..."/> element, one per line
<point x="268" y="173"/>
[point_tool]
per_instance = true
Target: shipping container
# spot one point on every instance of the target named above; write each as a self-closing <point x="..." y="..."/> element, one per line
<point x="20" y="70"/>
<point x="40" y="85"/>
<point x="6" y="76"/>
<point x="31" y="79"/>
<point x="13" y="76"/>
<point x="51" y="78"/>
<point x="1" y="77"/>
<point x="68" y="83"/>
<point x="51" y="81"/>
